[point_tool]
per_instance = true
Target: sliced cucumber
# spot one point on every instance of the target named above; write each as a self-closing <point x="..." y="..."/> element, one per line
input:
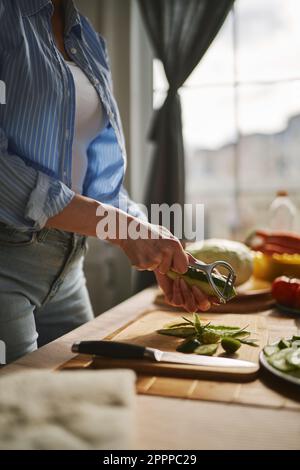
<point x="209" y="337"/>
<point x="296" y="338"/>
<point x="271" y="349"/>
<point x="206" y="349"/>
<point x="188" y="346"/>
<point x="284" y="343"/>
<point x="293" y="358"/>
<point x="279" y="360"/>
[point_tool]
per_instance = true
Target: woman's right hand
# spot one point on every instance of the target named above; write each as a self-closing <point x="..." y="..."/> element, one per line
<point x="161" y="253"/>
<point x="155" y="249"/>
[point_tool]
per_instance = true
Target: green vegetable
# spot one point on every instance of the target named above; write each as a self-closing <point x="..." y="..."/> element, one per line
<point x="235" y="253"/>
<point x="295" y="338"/>
<point x="199" y="279"/>
<point x="293" y="358"/>
<point x="206" y="349"/>
<point x="249" y="342"/>
<point x="223" y="330"/>
<point x="188" y="346"/>
<point x="230" y="345"/>
<point x="177" y="325"/>
<point x="279" y="360"/>
<point x="284" y="343"/>
<point x="203" y="338"/>
<point x="197" y="324"/>
<point x="183" y="332"/>
<point x="208" y="337"/>
<point x="271" y="349"/>
<point x="285" y="355"/>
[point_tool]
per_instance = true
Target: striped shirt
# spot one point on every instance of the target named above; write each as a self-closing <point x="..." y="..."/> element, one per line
<point x="37" y="119"/>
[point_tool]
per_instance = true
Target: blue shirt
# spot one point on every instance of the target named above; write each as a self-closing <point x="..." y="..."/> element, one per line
<point x="37" y="120"/>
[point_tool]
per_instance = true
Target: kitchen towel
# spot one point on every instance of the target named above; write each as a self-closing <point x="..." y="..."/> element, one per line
<point x="67" y="410"/>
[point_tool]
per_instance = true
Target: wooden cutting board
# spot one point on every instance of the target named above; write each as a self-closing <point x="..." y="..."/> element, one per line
<point x="143" y="332"/>
<point x="265" y="391"/>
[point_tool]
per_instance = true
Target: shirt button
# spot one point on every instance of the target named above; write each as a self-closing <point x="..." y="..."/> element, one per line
<point x="73" y="50"/>
<point x="96" y="82"/>
<point x="67" y="134"/>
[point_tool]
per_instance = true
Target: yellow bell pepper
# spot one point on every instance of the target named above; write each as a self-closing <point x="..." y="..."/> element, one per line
<point x="268" y="267"/>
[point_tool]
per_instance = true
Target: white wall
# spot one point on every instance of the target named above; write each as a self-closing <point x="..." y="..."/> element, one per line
<point x="108" y="272"/>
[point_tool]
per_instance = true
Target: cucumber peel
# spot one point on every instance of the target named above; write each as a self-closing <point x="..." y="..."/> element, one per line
<point x="201" y="338"/>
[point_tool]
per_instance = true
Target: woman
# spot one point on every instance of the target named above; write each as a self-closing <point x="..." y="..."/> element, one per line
<point x="62" y="159"/>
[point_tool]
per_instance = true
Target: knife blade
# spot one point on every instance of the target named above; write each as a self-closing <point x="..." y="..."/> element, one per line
<point x="118" y="350"/>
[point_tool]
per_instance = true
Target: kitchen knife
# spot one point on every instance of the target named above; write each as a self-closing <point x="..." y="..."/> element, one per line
<point x="117" y="350"/>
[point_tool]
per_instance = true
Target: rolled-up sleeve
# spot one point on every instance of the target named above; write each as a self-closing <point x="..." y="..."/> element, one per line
<point x="28" y="198"/>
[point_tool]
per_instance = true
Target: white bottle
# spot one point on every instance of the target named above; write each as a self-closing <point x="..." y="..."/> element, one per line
<point x="282" y="213"/>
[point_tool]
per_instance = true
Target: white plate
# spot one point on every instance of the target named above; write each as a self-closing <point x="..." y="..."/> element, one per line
<point x="288" y="378"/>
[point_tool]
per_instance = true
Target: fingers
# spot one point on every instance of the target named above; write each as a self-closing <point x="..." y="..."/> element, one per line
<point x="166" y="285"/>
<point x="177" y="296"/>
<point x="191" y="258"/>
<point x="166" y="263"/>
<point x="202" y="301"/>
<point x="180" y="259"/>
<point x="214" y="300"/>
<point x="188" y="298"/>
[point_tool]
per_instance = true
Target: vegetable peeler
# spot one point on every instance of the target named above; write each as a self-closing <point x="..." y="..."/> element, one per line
<point x="212" y="270"/>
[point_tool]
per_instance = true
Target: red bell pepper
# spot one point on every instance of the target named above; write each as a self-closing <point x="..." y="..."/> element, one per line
<point x="286" y="291"/>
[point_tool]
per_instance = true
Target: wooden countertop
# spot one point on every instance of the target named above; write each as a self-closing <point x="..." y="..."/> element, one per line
<point x="168" y="423"/>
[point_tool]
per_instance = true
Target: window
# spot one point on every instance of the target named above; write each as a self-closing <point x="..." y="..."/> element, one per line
<point x="241" y="116"/>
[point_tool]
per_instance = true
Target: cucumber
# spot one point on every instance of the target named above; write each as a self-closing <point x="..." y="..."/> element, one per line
<point x="295" y="338"/>
<point x="293" y="358"/>
<point x="206" y="349"/>
<point x="188" y="346"/>
<point x="271" y="349"/>
<point x="197" y="278"/>
<point x="279" y="360"/>
<point x="209" y="337"/>
<point x="230" y="345"/>
<point x="284" y="343"/>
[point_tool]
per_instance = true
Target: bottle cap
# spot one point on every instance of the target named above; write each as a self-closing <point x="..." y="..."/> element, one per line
<point x="282" y="193"/>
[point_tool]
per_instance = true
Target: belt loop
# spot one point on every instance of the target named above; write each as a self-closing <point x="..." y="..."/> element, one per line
<point x="42" y="234"/>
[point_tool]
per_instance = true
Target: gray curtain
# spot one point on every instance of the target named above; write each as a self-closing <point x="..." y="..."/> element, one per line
<point x="180" y="31"/>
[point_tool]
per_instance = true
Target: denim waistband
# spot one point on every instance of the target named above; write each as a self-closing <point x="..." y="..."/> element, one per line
<point x="47" y="234"/>
<point x="58" y="235"/>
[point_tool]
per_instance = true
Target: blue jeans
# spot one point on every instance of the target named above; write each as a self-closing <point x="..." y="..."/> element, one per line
<point x="43" y="292"/>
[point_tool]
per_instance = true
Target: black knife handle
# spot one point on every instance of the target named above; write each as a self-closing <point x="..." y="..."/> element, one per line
<point x="110" y="349"/>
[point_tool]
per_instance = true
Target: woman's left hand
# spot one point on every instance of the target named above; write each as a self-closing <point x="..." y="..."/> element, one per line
<point x="179" y="294"/>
